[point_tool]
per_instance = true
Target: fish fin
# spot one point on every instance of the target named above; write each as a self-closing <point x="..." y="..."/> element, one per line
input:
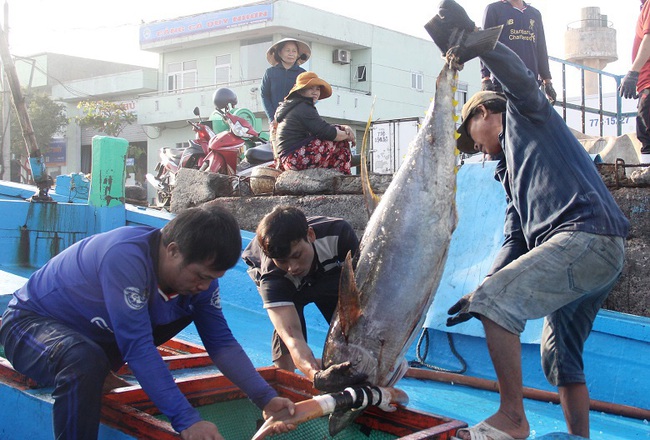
<point x="349" y="308"/>
<point x="370" y="198"/>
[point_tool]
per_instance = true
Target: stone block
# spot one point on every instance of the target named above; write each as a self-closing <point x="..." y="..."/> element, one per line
<point x="310" y="181"/>
<point x="194" y="187"/>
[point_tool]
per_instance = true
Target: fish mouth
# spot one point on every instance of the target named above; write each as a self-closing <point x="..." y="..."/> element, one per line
<point x="361" y="360"/>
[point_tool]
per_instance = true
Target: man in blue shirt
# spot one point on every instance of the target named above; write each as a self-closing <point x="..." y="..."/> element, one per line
<point x="564" y="238"/>
<point x="112" y="298"/>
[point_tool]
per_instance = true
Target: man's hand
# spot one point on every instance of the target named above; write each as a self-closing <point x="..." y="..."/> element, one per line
<point x="279" y="409"/>
<point x="460" y="311"/>
<point x="487" y="85"/>
<point x="202" y="430"/>
<point x="337" y="377"/>
<point x="628" y="87"/>
<point x="448" y="24"/>
<point x="550" y="92"/>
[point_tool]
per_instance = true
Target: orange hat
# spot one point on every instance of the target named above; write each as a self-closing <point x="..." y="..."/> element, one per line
<point x="309" y="79"/>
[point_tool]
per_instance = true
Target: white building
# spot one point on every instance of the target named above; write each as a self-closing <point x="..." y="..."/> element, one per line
<point x="226" y="48"/>
<point x="69" y="80"/>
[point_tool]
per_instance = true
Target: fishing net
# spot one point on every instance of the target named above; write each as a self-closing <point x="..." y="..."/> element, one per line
<point x="239" y="420"/>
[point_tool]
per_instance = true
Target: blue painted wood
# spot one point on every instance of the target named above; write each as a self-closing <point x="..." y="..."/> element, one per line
<point x="74" y="187"/>
<point x="559" y="436"/>
<point x="32" y="233"/>
<point x="251" y="326"/>
<point x="139" y="215"/>
<point x="28" y="415"/>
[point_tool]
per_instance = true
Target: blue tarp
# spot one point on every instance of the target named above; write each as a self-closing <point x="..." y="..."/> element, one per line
<point x="481" y="205"/>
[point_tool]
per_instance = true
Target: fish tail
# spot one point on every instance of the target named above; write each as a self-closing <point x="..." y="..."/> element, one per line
<point x="370" y="198"/>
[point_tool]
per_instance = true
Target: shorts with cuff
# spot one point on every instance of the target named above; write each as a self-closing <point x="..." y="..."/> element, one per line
<point x="565" y="280"/>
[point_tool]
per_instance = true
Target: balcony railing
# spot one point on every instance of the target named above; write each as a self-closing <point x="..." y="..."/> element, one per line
<point x="600" y="111"/>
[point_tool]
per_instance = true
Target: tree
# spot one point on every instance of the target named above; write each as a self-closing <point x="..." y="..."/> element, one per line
<point x="111" y="118"/>
<point x="48" y="118"/>
<point x="104" y="116"/>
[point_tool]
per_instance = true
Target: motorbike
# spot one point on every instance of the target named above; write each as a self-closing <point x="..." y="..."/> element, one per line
<point x="224" y="152"/>
<point x="235" y="151"/>
<point x="172" y="159"/>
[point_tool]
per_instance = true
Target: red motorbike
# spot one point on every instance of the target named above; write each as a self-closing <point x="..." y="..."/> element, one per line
<point x="173" y="159"/>
<point x="233" y="152"/>
<point x="239" y="148"/>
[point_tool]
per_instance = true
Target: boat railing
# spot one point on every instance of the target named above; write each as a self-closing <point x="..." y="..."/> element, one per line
<point x="607" y="85"/>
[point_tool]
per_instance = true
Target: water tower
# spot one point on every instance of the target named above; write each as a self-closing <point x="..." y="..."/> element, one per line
<point x="592" y="43"/>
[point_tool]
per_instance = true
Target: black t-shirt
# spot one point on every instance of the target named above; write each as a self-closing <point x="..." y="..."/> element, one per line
<point x="334" y="239"/>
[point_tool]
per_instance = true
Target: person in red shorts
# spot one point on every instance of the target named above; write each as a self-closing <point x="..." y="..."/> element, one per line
<point x="637" y="81"/>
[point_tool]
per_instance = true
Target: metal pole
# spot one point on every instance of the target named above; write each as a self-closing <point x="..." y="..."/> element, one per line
<point x="6" y="107"/>
<point x="36" y="160"/>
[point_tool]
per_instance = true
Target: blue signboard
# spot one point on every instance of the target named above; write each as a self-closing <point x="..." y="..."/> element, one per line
<point x="55" y="154"/>
<point x="210" y="21"/>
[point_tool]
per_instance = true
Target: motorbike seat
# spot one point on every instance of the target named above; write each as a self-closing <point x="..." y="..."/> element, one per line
<point x="260" y="153"/>
<point x="173" y="152"/>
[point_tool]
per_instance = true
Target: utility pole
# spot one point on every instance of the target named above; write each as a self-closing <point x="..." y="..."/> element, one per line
<point x="5" y="173"/>
<point x="42" y="180"/>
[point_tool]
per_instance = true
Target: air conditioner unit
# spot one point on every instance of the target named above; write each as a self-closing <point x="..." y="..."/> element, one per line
<point x="341" y="56"/>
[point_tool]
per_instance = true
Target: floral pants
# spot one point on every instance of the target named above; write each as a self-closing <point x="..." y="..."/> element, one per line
<point x="319" y="154"/>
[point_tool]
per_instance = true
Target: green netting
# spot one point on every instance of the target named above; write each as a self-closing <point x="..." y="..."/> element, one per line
<point x="238" y="420"/>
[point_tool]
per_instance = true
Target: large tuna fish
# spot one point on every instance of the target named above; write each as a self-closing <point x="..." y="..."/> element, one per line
<point x="386" y="291"/>
<point x="383" y="302"/>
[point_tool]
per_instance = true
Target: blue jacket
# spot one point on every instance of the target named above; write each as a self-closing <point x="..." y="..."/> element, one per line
<point x="276" y="84"/>
<point x="551" y="183"/>
<point x="106" y="288"/>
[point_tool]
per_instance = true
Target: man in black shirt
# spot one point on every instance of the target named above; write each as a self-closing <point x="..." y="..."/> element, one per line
<point x="295" y="261"/>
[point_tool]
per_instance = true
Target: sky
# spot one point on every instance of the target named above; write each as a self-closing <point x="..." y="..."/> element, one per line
<point x="108" y="30"/>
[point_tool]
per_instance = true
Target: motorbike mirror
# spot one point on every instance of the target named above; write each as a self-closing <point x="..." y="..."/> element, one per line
<point x="197" y="112"/>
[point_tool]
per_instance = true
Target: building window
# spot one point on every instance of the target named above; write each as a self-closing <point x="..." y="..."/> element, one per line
<point x="362" y="73"/>
<point x="182" y="75"/>
<point x="461" y="95"/>
<point x="222" y="69"/>
<point x="416" y="81"/>
<point x="252" y="58"/>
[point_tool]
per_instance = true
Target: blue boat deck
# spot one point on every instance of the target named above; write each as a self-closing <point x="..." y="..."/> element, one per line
<point x="617" y="354"/>
<point x="251" y="326"/>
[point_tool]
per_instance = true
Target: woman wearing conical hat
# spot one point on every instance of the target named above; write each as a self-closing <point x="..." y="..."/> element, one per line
<point x="285" y="57"/>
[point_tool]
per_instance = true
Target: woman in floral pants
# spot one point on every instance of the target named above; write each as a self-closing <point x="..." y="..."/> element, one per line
<point x="304" y="139"/>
